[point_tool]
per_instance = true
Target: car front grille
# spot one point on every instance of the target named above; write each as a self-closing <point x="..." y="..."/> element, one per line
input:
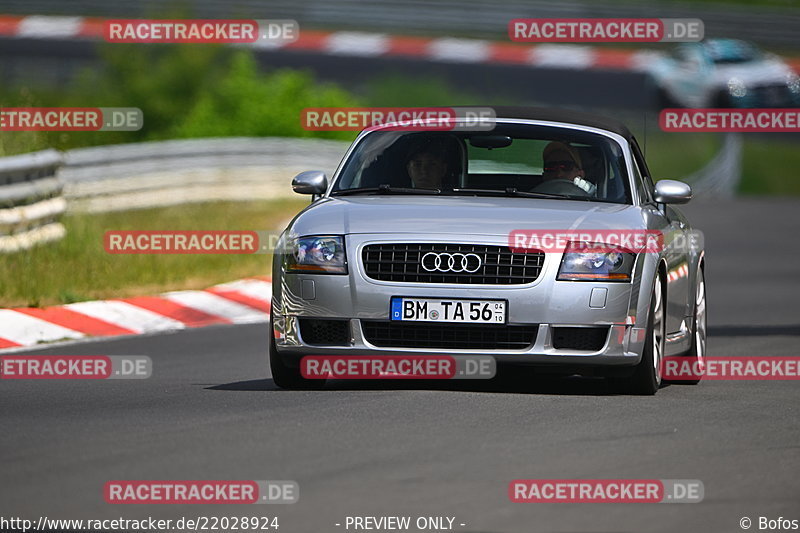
<point x="498" y="264"/>
<point x="390" y="334"/>
<point x="325" y="332"/>
<point x="589" y="339"/>
<point x="772" y="95"/>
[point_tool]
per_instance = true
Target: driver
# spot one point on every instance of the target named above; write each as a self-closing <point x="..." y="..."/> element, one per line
<point x="427" y="168"/>
<point x="562" y="162"/>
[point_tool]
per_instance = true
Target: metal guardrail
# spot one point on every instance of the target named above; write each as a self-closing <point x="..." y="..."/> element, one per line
<point x="156" y="174"/>
<point x="153" y="174"/>
<point x="31" y="200"/>
<point x="132" y="176"/>
<point x="721" y="176"/>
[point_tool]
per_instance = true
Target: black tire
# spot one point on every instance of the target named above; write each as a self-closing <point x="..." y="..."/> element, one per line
<point x="699" y="328"/>
<point x="287" y="377"/>
<point x="646" y="378"/>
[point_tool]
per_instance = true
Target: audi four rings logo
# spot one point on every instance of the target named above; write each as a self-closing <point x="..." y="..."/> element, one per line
<point x="447" y="262"/>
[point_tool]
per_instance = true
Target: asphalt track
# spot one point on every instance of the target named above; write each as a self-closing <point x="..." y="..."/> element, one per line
<point x="211" y="411"/>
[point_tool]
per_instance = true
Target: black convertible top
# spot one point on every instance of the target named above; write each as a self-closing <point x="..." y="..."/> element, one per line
<point x="564" y="115"/>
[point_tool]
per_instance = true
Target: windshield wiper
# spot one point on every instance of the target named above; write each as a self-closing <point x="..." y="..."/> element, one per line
<point x="509" y="191"/>
<point x="386" y="189"/>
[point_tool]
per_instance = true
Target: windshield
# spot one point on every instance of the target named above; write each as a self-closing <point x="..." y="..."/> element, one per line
<point x="726" y="52"/>
<point x="512" y="159"/>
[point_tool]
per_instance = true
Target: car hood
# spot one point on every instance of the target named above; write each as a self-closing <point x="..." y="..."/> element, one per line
<point x="753" y="73"/>
<point x="428" y="215"/>
<point x="769" y="71"/>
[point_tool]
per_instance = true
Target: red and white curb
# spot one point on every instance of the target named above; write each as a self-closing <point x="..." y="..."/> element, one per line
<point x="366" y="44"/>
<point x="676" y="273"/>
<point x="238" y="302"/>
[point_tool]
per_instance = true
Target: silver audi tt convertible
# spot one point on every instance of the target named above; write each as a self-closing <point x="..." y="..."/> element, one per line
<point x="523" y="241"/>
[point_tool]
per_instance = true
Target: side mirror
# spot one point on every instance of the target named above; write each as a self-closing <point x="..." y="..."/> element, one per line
<point x="310" y="182"/>
<point x="672" y="192"/>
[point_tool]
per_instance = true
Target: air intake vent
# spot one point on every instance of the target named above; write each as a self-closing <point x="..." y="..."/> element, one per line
<point x="391" y="334"/>
<point x="588" y="339"/>
<point x="325" y="332"/>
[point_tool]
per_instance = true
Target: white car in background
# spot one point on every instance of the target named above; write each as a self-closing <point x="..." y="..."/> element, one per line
<point x="724" y="73"/>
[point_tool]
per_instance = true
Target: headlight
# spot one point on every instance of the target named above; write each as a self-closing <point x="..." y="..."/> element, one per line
<point x="737" y="88"/>
<point x="318" y="254"/>
<point x="793" y="82"/>
<point x="592" y="261"/>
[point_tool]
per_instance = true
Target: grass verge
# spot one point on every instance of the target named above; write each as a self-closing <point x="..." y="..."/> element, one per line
<point x="769" y="166"/>
<point x="77" y="268"/>
<point x="675" y="156"/>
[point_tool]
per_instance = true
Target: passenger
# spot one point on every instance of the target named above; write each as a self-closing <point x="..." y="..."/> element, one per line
<point x="562" y="162"/>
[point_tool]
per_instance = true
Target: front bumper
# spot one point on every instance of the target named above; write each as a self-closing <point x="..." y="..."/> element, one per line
<point x="545" y="303"/>
<point x="766" y="97"/>
<point x="622" y="346"/>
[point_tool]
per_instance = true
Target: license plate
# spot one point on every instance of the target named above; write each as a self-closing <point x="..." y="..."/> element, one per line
<point x="439" y="310"/>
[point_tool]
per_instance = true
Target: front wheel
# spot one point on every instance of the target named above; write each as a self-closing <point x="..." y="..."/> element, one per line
<point x="646" y="378"/>
<point x="699" y="324"/>
<point x="285" y="376"/>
